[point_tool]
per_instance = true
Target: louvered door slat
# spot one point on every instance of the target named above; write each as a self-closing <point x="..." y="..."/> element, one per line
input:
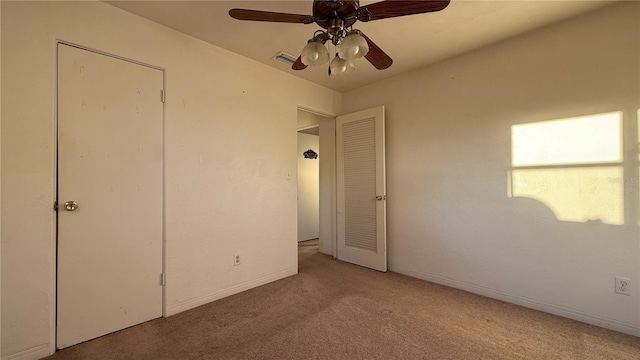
<point x="361" y="233"/>
<point x="360" y="184"/>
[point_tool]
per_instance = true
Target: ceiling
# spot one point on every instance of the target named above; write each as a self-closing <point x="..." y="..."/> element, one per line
<point x="412" y="41"/>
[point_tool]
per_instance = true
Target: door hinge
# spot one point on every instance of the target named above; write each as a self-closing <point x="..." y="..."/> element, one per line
<point x="162" y="279"/>
<point x="162" y="95"/>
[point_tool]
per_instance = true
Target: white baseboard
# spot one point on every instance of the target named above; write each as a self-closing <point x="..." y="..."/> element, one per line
<point x="577" y="315"/>
<point x="37" y="352"/>
<point x="41" y="351"/>
<point x="204" y="299"/>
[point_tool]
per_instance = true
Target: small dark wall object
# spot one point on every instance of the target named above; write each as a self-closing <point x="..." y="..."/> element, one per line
<point x="310" y="154"/>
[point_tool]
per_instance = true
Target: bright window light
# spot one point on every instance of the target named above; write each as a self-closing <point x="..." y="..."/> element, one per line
<point x="575" y="194"/>
<point x="584" y="140"/>
<point x="573" y="166"/>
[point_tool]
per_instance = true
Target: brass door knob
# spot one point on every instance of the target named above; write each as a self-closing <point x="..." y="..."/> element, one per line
<point x="379" y="197"/>
<point x="70" y="205"/>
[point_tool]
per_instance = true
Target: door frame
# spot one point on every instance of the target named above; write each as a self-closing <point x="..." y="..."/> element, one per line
<point x="323" y="203"/>
<point x="300" y="129"/>
<point x="54" y="244"/>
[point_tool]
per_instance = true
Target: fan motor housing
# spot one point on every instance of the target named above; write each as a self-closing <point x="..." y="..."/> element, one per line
<point x="324" y="11"/>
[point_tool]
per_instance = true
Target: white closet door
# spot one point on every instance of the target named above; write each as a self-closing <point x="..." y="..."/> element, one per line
<point x="109" y="194"/>
<point x="361" y="188"/>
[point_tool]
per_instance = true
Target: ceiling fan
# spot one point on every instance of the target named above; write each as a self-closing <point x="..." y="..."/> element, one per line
<point x="337" y="18"/>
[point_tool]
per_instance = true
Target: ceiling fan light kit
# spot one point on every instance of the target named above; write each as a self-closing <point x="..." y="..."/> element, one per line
<point x="341" y="66"/>
<point x="353" y="46"/>
<point x="314" y="53"/>
<point x="338" y="17"/>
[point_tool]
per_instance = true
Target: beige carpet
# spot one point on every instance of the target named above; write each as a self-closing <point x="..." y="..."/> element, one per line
<point x="335" y="310"/>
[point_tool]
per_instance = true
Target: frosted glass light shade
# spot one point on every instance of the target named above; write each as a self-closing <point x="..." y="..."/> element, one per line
<point x="353" y="46"/>
<point x="314" y="53"/>
<point x="341" y="66"/>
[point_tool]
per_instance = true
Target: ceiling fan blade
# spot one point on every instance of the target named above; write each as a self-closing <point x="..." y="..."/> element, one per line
<point x="257" y="15"/>
<point x="298" y="65"/>
<point x="378" y="58"/>
<point x="393" y="8"/>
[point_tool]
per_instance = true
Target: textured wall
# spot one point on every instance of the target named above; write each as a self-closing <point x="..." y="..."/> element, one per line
<point x="230" y="138"/>
<point x="450" y="219"/>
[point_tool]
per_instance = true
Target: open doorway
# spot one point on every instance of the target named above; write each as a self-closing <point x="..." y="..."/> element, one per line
<point x="316" y="180"/>
<point x="308" y="183"/>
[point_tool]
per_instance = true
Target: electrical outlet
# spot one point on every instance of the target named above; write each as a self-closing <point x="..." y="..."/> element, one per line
<point x="236" y="259"/>
<point x="623" y="286"/>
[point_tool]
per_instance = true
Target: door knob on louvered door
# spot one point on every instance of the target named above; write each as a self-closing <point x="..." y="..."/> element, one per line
<point x="70" y="205"/>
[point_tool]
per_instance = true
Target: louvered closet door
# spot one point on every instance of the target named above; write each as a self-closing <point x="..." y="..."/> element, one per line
<point x="361" y="188"/>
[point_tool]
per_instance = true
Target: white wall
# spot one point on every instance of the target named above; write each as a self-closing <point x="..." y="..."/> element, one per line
<point x="308" y="188"/>
<point x="449" y="153"/>
<point x="307" y="119"/>
<point x="230" y="138"/>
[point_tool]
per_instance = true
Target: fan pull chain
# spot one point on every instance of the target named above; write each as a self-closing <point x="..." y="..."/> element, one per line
<point x="329" y="67"/>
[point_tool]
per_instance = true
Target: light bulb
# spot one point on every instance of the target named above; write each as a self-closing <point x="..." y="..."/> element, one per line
<point x="353" y="46"/>
<point x="314" y="53"/>
<point x="341" y="66"/>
